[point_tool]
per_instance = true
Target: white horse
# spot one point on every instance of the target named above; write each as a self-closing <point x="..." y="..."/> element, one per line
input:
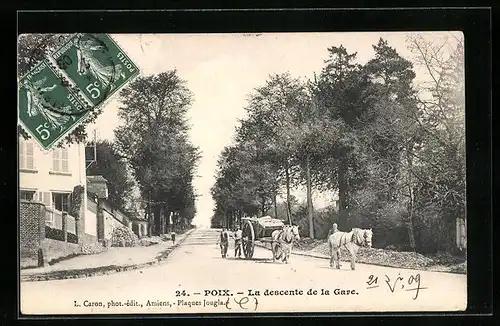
<point x="282" y="242"/>
<point x="351" y="241"/>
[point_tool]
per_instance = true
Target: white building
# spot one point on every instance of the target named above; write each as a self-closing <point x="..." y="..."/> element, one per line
<point x="50" y="176"/>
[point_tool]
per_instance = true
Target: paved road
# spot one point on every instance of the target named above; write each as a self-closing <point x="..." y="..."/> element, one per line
<point x="197" y="266"/>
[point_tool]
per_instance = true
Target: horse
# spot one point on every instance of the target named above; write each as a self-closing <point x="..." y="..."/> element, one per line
<point x="282" y="242"/>
<point x="351" y="241"/>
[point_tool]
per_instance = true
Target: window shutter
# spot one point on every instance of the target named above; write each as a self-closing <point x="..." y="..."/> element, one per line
<point x="64" y="160"/>
<point x="47" y="198"/>
<point x="21" y="154"/>
<point x="55" y="162"/>
<point x="29" y="156"/>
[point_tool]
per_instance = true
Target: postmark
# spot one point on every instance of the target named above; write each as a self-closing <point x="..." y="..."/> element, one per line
<point x="47" y="109"/>
<point x="95" y="64"/>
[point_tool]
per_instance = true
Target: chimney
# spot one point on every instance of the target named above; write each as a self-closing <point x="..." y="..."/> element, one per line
<point x="98" y="185"/>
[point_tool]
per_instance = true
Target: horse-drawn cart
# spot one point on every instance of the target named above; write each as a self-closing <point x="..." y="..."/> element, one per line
<point x="258" y="229"/>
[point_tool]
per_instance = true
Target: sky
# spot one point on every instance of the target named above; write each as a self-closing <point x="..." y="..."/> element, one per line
<point x="222" y="69"/>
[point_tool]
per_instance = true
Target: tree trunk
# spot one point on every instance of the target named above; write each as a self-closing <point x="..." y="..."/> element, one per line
<point x="411" y="224"/>
<point x="343" y="195"/>
<point x="275" y="207"/>
<point x="411" y="217"/>
<point x="162" y="220"/>
<point x="150" y="217"/>
<point x="168" y="213"/>
<point x="309" y="198"/>
<point x="157" y="219"/>
<point x="287" y="180"/>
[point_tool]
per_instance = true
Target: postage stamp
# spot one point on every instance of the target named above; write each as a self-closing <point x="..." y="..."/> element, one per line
<point x="96" y="64"/>
<point x="47" y="109"/>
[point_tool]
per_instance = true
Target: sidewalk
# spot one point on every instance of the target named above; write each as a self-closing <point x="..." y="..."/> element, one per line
<point x="115" y="259"/>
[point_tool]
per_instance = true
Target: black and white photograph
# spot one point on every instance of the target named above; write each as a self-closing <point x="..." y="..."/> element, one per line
<point x="229" y="173"/>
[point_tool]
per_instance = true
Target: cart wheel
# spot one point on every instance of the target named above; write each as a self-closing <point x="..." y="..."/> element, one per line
<point x="248" y="240"/>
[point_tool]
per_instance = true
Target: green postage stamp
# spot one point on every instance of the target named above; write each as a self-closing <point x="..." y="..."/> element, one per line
<point x="47" y="109"/>
<point x="87" y="69"/>
<point x="96" y="64"/>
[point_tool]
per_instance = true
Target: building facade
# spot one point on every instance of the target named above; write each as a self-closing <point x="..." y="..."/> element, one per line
<point x="61" y="207"/>
<point x="47" y="181"/>
<point x="50" y="176"/>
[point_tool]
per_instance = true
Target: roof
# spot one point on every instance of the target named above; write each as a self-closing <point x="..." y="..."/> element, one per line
<point x="140" y="219"/>
<point x="96" y="178"/>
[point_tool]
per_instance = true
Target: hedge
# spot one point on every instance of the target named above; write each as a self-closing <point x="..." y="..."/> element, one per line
<point x="58" y="234"/>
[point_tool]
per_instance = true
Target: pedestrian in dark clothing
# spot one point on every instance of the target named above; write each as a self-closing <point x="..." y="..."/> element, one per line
<point x="224" y="242"/>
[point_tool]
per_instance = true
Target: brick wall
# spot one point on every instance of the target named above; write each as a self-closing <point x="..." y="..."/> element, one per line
<point x="35" y="249"/>
<point x="31" y="232"/>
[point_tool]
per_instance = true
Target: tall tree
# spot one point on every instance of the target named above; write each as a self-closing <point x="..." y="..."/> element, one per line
<point x="271" y="109"/>
<point x="154" y="138"/>
<point x="440" y="168"/>
<point x="340" y="91"/>
<point x="390" y="135"/>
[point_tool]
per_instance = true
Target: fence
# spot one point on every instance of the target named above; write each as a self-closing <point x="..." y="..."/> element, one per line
<point x="60" y="226"/>
<point x="54" y="220"/>
<point x="45" y="233"/>
<point x="71" y="224"/>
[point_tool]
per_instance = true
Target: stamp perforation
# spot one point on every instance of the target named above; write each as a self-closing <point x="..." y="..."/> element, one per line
<point x="109" y="96"/>
<point x="62" y="136"/>
<point x="71" y="87"/>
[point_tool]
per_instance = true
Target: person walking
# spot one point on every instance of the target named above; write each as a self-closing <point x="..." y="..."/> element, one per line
<point x="224" y="242"/>
<point x="172" y="236"/>
<point x="238" y="236"/>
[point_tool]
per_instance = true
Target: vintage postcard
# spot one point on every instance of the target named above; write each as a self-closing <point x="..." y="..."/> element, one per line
<point x="242" y="173"/>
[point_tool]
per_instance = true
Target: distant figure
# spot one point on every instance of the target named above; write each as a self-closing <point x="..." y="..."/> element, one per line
<point x="238" y="236"/>
<point x="224" y="242"/>
<point x="333" y="230"/>
<point x="172" y="235"/>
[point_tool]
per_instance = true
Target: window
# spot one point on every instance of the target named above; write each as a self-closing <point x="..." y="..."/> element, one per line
<point x="26" y="160"/>
<point x="60" y="160"/>
<point x="60" y="201"/>
<point x="27" y="195"/>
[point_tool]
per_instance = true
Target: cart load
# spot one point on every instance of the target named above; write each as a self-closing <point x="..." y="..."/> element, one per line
<point x="258" y="229"/>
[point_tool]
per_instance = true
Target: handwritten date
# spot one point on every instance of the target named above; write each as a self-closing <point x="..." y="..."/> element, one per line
<point x="413" y="281"/>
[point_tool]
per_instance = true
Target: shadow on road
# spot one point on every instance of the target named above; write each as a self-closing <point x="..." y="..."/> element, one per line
<point x="258" y="260"/>
<point x="265" y="261"/>
<point x="334" y="269"/>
